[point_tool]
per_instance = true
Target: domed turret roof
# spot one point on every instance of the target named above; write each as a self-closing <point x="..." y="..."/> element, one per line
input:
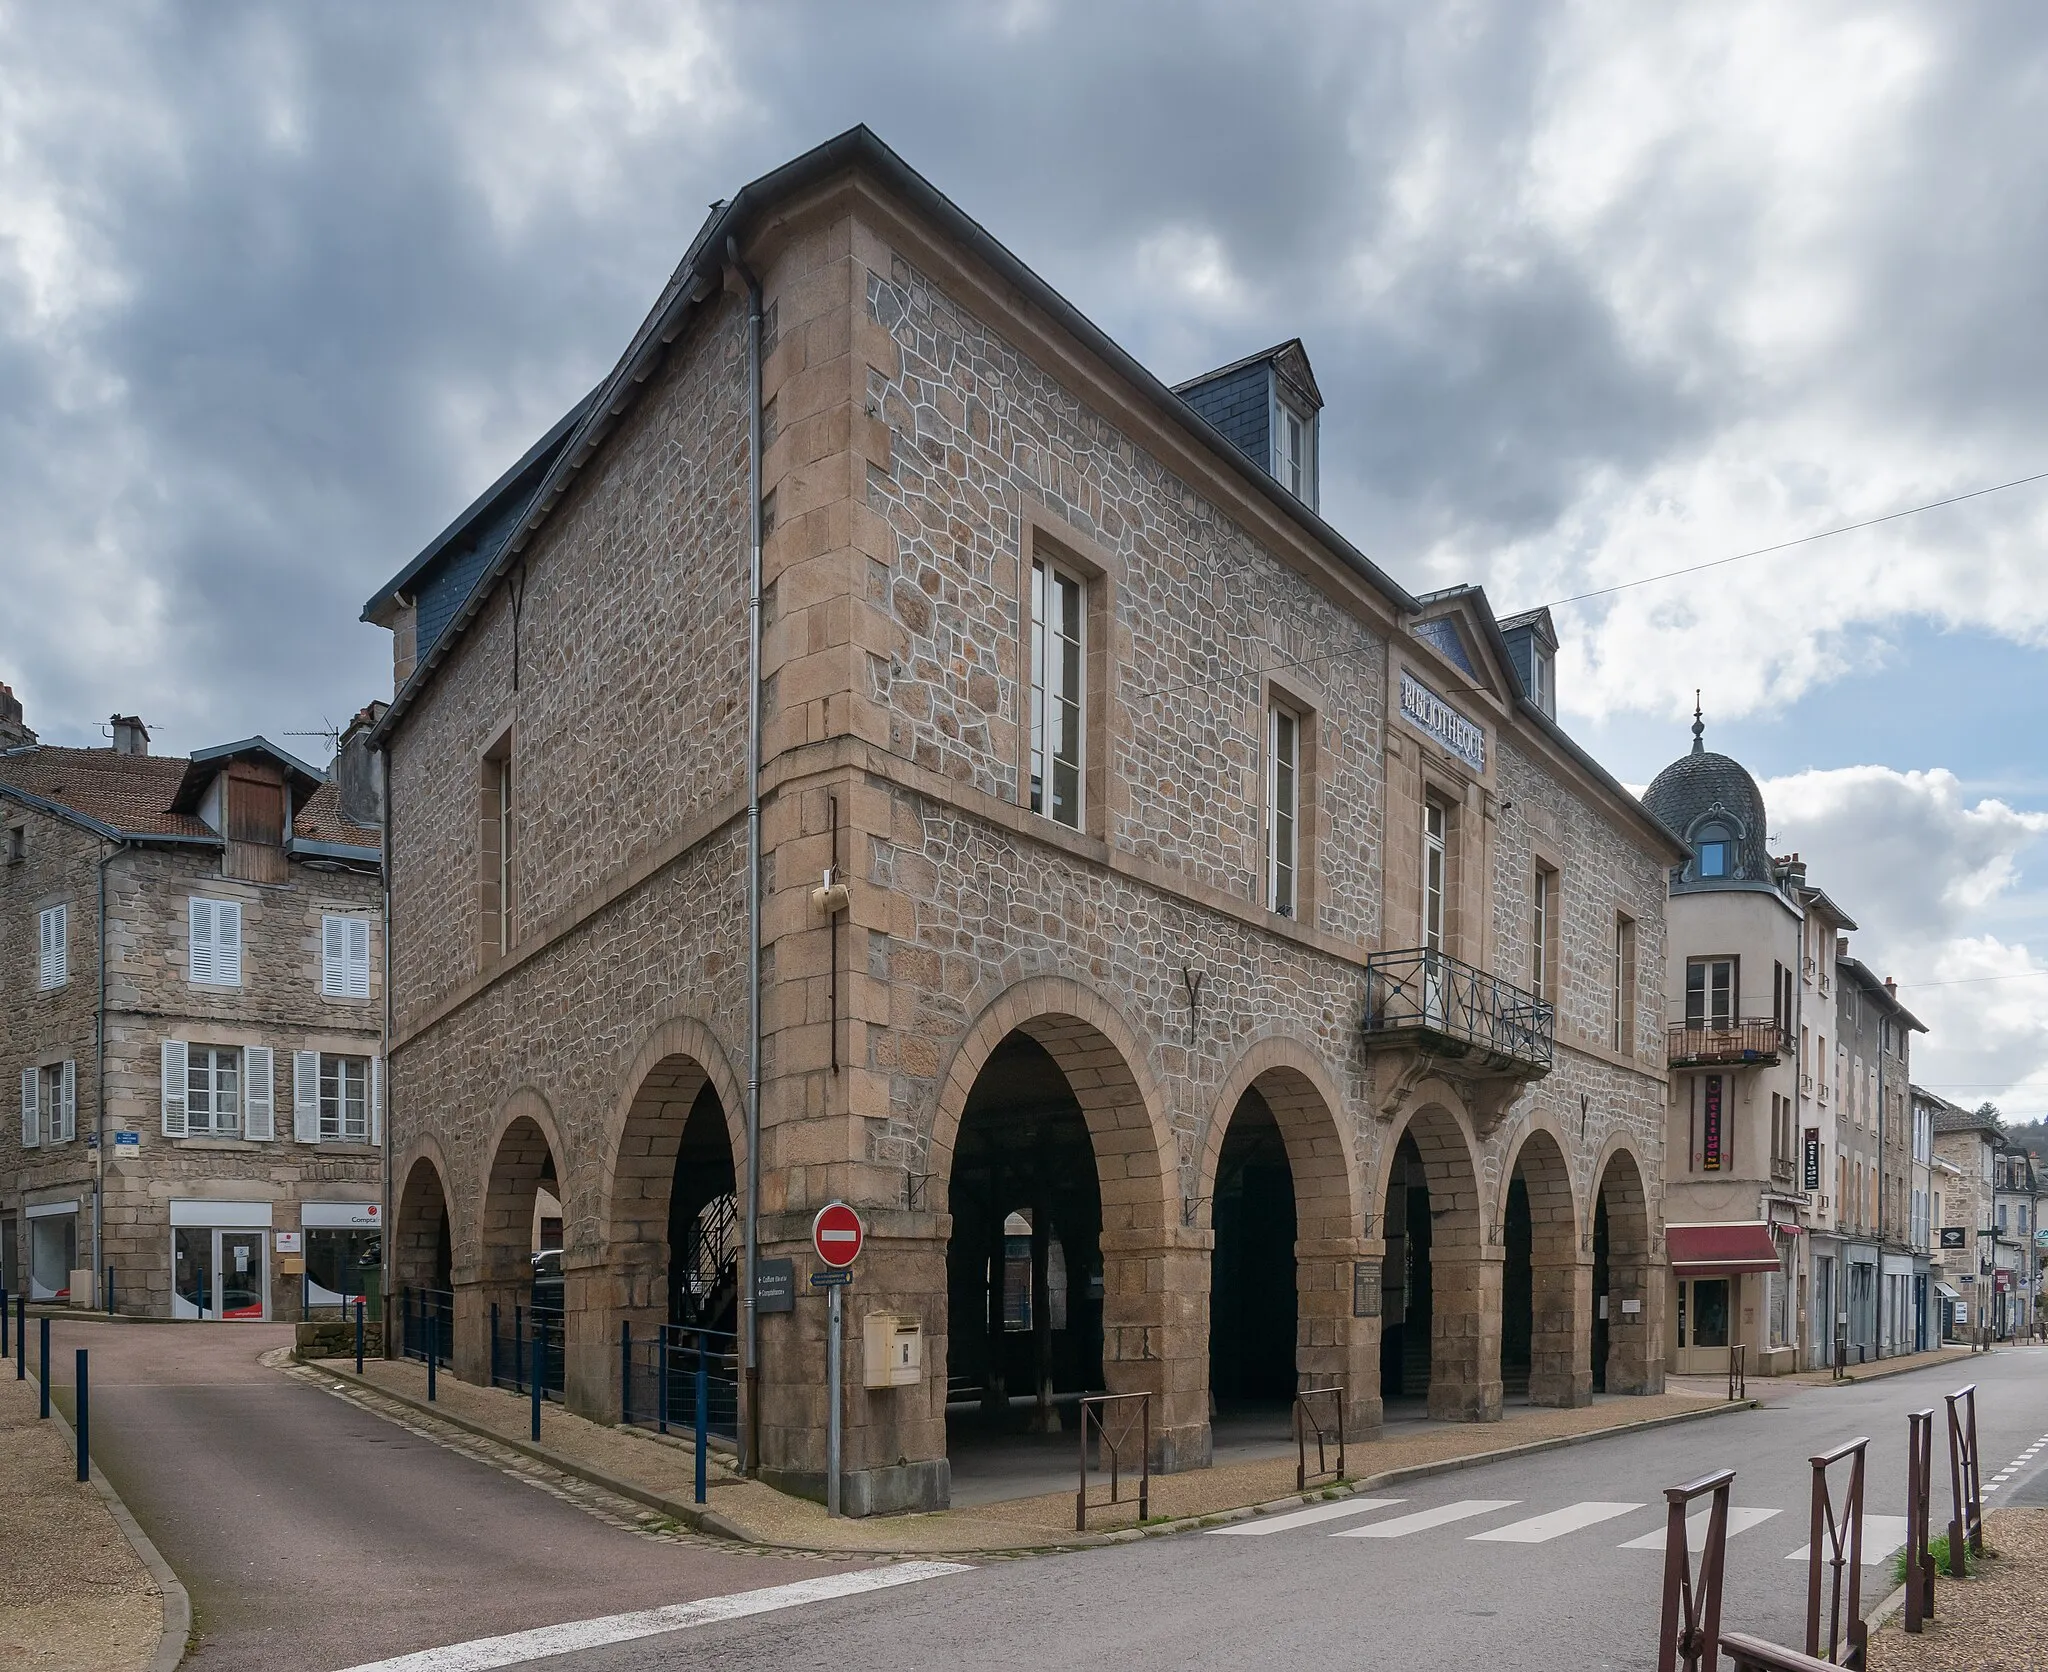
<point x="1702" y="788"/>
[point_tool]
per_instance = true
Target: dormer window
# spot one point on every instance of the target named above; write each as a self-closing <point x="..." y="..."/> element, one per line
<point x="1714" y="858"/>
<point x="1542" y="682"/>
<point x="1294" y="450"/>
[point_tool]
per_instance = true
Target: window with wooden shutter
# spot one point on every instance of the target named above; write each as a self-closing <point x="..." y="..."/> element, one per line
<point x="53" y="946"/>
<point x="214" y="930"/>
<point x="259" y="1094"/>
<point x="376" y="1100"/>
<point x="66" y="1120"/>
<point x="174" y="1072"/>
<point x="306" y="1097"/>
<point x="345" y="957"/>
<point x="31" y="1109"/>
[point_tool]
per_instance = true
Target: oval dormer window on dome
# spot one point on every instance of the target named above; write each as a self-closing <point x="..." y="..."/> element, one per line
<point x="1714" y="856"/>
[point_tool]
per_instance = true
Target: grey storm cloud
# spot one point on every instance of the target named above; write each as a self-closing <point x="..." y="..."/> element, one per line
<point x="287" y="286"/>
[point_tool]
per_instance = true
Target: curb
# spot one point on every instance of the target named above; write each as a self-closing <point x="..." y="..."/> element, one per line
<point x="1880" y="1616"/>
<point x="176" y="1637"/>
<point x="708" y="1521"/>
<point x="1880" y="1371"/>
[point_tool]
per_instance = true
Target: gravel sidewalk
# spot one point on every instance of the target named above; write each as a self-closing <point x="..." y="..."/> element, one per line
<point x="76" y="1596"/>
<point x="1997" y="1622"/>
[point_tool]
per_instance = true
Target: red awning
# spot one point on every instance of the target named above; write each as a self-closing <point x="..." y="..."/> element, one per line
<point x="1718" y="1250"/>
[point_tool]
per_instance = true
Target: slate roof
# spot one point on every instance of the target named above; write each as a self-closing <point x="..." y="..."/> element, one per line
<point x="132" y="795"/>
<point x="1696" y="784"/>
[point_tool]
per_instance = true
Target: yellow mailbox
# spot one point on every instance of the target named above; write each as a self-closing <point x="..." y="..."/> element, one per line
<point x="894" y="1349"/>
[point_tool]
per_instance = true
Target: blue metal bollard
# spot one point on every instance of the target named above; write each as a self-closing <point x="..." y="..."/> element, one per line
<point x="661" y="1378"/>
<point x="359" y="1335"/>
<point x="433" y="1354"/>
<point x="518" y="1347"/>
<point x="626" y="1373"/>
<point x="43" y="1366"/>
<point x="539" y="1369"/>
<point x="84" y="1419"/>
<point x="21" y="1338"/>
<point x="4" y="1321"/>
<point x="494" y="1343"/>
<point x="110" y="1301"/>
<point x="703" y="1414"/>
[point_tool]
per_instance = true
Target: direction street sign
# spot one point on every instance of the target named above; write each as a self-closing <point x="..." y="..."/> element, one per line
<point x="837" y="1234"/>
<point x="831" y="1279"/>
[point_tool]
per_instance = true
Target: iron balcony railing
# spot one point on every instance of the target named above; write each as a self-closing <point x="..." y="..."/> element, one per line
<point x="1419" y="996"/>
<point x="1727" y="1043"/>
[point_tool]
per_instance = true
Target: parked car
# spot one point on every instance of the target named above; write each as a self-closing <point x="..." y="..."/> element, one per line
<point x="547" y="1280"/>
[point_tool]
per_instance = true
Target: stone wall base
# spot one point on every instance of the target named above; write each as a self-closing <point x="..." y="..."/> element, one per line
<point x="326" y="1338"/>
<point x="895" y="1490"/>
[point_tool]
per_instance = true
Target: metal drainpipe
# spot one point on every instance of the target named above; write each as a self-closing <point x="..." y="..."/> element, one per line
<point x="99" y="1088"/>
<point x="750" y="1459"/>
<point x="386" y="1242"/>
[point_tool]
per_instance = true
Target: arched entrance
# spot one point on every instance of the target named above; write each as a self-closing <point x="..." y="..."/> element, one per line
<point x="1627" y="1345"/>
<point x="1024" y="1267"/>
<point x="1283" y="1313"/>
<point x="423" y="1250"/>
<point x="522" y="1184"/>
<point x="1440" y="1295"/>
<point x="1541" y="1300"/>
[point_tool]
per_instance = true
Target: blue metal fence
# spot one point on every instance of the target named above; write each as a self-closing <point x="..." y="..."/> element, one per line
<point x="660" y="1375"/>
<point x="427" y="1315"/>
<point x="512" y="1348"/>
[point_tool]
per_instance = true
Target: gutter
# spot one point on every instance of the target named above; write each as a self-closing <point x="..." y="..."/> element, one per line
<point x="299" y="847"/>
<point x="750" y="1449"/>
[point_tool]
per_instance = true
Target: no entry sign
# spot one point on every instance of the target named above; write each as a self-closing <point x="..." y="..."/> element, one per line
<point x="836" y="1234"/>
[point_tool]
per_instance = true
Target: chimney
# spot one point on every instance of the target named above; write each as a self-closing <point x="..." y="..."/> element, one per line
<point x="1891" y="986"/>
<point x="358" y="772"/>
<point x="1841" y="946"/>
<point x="1795" y="871"/>
<point x="131" y="736"/>
<point x="14" y="734"/>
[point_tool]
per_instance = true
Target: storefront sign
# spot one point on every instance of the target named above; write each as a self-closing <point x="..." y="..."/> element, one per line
<point x="774" y="1285"/>
<point x="1427" y="712"/>
<point x="2002" y="1280"/>
<point x="340" y="1216"/>
<point x="1710" y="1132"/>
<point x="1955" y="1236"/>
<point x="1813" y="1158"/>
<point x="290" y="1242"/>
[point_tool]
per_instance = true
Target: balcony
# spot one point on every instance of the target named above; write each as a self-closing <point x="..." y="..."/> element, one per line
<point x="1726" y="1044"/>
<point x="1433" y="1014"/>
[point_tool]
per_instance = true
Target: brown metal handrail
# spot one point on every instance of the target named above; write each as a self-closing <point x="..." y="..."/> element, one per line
<point x="1966" y="1485"/>
<point x="1305" y="1418"/>
<point x="1689" y="1632"/>
<point x="1843" y="1548"/>
<point x="1753" y="1654"/>
<point x="1919" y="1513"/>
<point x="1738" y="1371"/>
<point x="1093" y="1411"/>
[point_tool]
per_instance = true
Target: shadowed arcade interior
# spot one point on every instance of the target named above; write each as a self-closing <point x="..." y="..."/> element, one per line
<point x="1253" y="1306"/>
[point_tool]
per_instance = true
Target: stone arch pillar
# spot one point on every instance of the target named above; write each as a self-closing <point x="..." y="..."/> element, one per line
<point x="499" y="1270"/>
<point x="1561" y="1274"/>
<point x="1635" y="1338"/>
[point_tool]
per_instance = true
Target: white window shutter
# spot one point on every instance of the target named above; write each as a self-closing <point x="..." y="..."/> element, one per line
<point x="52" y="946"/>
<point x="67" y="1101"/>
<point x="259" y="1094"/>
<point x="376" y="1100"/>
<point x="334" y="956"/>
<point x="31" y="1116"/>
<point x="358" y="958"/>
<point x="227" y="942"/>
<point x="199" y="931"/>
<point x="306" y="1096"/>
<point x="61" y="952"/>
<point x="174" y="1068"/>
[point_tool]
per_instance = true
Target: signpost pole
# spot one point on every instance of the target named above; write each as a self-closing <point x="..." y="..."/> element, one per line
<point x="832" y="1436"/>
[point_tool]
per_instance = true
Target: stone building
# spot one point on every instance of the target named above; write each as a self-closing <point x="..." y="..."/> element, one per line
<point x="1873" y="1080"/>
<point x="1966" y="1149"/>
<point x="191" y="955"/>
<point x="1206" y="965"/>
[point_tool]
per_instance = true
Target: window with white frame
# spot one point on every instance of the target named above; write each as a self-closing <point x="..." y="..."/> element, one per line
<point x="1294" y="451"/>
<point x="1283" y="806"/>
<point x="1543" y="913"/>
<point x="214" y="936"/>
<point x="49" y="1104"/>
<point x="1624" y="983"/>
<point x="213" y="1091"/>
<point x="345" y="957"/>
<point x="1058" y="670"/>
<point x="344" y="1100"/>
<point x="53" y="957"/>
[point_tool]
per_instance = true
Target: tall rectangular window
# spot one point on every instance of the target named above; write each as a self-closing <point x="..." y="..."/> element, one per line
<point x="1058" y="668"/>
<point x="1283" y="808"/>
<point x="213" y="942"/>
<point x="1294" y="451"/>
<point x="499" y="848"/>
<point x="1624" y="984"/>
<point x="1435" y="822"/>
<point x="1711" y="999"/>
<point x="213" y="1091"/>
<point x="345" y="957"/>
<point x="1542" y="927"/>
<point x="53" y="953"/>
<point x="344" y="1100"/>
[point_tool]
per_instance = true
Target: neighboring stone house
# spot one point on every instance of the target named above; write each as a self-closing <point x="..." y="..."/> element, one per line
<point x="1873" y="1045"/>
<point x="191" y="955"/>
<point x="1206" y="966"/>
<point x="1966" y="1147"/>
<point x="2015" y="1273"/>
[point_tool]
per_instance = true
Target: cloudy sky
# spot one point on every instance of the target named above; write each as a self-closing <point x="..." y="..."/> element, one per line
<point x="1594" y="291"/>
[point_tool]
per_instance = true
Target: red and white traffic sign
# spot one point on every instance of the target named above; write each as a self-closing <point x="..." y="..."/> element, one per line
<point x="837" y="1234"/>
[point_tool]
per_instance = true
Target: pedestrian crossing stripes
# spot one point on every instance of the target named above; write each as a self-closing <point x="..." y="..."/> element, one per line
<point x="2014" y="1467"/>
<point x="1882" y="1534"/>
<point x="1739" y="1521"/>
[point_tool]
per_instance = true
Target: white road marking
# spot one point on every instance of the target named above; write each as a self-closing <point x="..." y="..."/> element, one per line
<point x="1739" y="1521"/>
<point x="1539" y="1529"/>
<point x="517" y="1648"/>
<point x="1423" y="1519"/>
<point x="1302" y="1517"/>
<point x="1882" y="1534"/>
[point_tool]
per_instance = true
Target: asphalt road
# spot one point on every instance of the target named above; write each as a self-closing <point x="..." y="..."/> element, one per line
<point x="1314" y="1597"/>
<point x="313" y="1534"/>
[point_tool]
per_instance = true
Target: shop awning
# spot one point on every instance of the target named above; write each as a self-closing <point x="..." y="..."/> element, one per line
<point x="1945" y="1291"/>
<point x="1721" y="1250"/>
